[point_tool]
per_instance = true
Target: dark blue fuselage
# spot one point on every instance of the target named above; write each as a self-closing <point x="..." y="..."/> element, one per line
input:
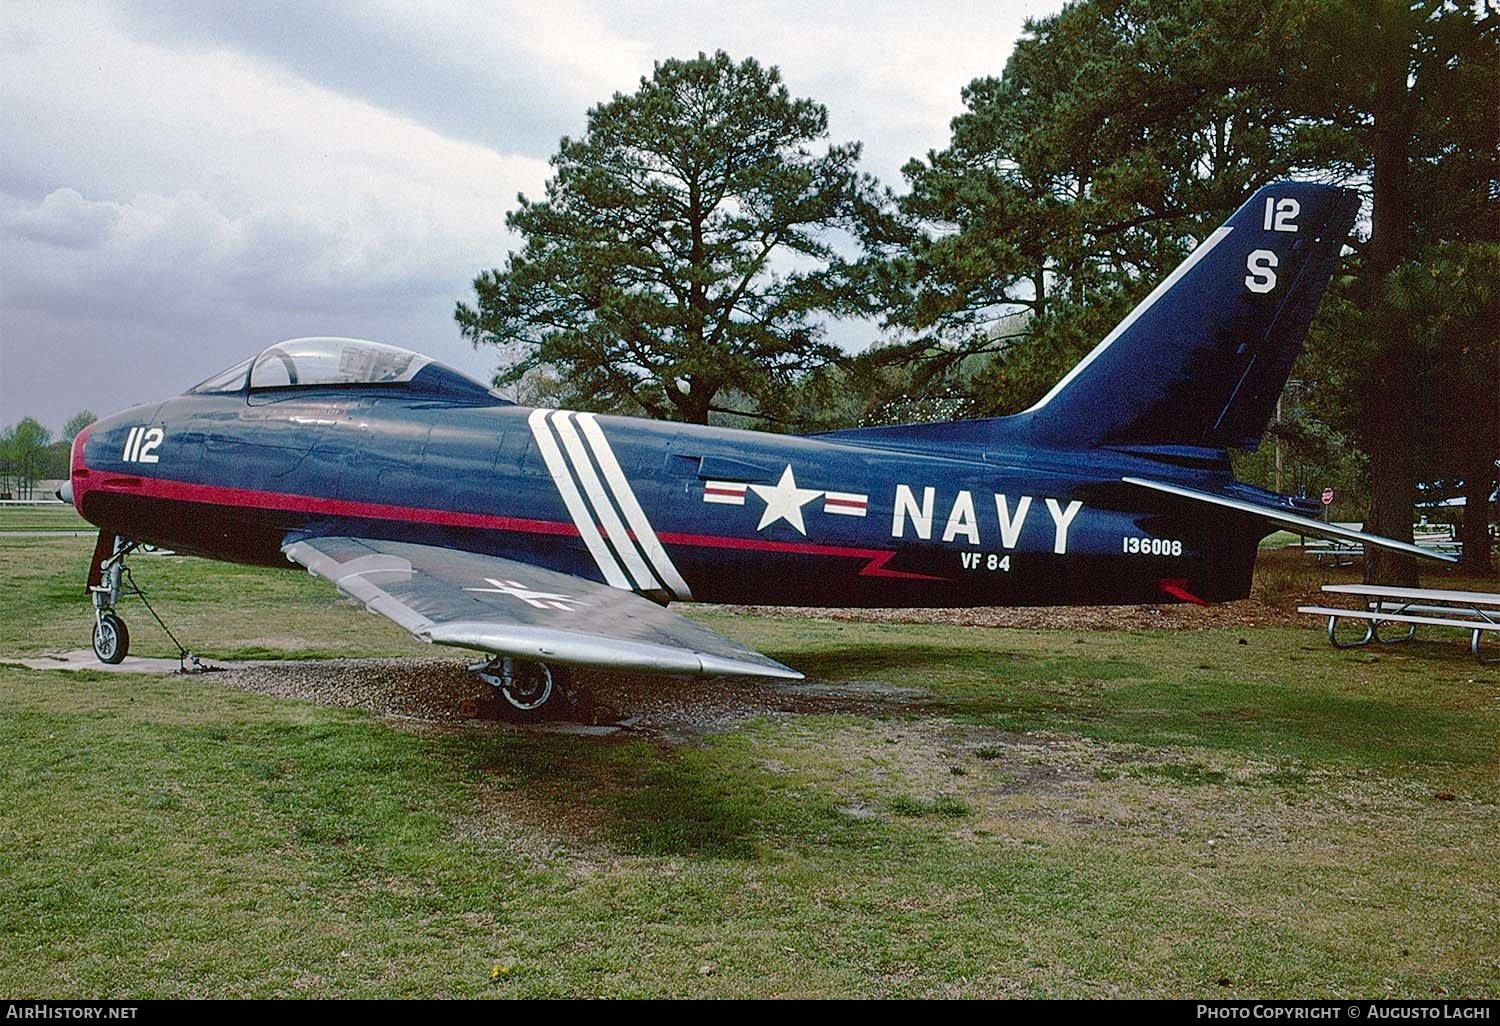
<point x="869" y="520"/>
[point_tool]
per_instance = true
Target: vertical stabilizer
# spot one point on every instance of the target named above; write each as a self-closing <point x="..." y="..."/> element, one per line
<point x="1202" y="359"/>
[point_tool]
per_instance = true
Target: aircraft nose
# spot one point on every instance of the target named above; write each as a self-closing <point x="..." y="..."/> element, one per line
<point x="65" y="493"/>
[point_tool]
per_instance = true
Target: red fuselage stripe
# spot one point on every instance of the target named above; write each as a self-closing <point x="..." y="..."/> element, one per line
<point x="875" y="568"/>
<point x="219" y="495"/>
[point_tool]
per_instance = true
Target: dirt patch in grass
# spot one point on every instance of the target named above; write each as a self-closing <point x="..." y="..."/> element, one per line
<point x="681" y="709"/>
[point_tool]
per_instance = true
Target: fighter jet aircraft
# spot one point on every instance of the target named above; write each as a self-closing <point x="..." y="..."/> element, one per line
<point x="549" y="539"/>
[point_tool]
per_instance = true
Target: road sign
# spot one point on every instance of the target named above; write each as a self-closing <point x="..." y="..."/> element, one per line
<point x="1328" y="496"/>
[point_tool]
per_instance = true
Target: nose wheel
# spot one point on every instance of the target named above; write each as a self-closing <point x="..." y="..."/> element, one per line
<point x="111" y="639"/>
<point x="527" y="686"/>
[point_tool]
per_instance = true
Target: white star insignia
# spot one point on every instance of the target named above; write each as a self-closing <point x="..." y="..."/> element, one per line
<point x="539" y="599"/>
<point x="784" y="501"/>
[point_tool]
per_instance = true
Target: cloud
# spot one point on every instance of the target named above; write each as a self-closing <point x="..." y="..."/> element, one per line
<point x="156" y="257"/>
<point x="511" y="76"/>
<point x="185" y="264"/>
<point x="136" y="116"/>
<point x="515" y="76"/>
<point x="65" y="218"/>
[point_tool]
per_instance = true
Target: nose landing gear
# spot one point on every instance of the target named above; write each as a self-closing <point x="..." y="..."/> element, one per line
<point x="111" y="637"/>
<point x="108" y="577"/>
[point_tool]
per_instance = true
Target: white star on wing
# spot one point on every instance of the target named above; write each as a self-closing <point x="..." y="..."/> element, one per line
<point x="784" y="501"/>
<point x="539" y="599"/>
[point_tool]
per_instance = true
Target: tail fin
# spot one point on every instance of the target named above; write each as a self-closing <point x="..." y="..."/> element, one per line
<point x="1202" y="359"/>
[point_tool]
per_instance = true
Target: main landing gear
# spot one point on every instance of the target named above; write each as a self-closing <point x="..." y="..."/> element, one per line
<point x="526" y="685"/>
<point x="111" y="637"/>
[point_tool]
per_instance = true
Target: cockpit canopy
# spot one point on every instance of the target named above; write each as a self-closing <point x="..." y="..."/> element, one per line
<point x="344" y="363"/>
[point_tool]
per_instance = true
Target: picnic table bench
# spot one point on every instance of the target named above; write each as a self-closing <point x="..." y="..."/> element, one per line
<point x="1336" y="553"/>
<point x="1473" y="611"/>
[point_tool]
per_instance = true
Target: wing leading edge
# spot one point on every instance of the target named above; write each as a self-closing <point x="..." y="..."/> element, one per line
<point x="1290" y="521"/>
<point x="505" y="607"/>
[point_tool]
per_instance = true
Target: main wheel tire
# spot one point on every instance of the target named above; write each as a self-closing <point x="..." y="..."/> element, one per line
<point x="529" y="690"/>
<point x="111" y="639"/>
<point x="530" y="687"/>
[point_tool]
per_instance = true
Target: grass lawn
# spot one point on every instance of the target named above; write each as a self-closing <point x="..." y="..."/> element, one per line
<point x="1222" y="813"/>
<point x="1280" y="540"/>
<point x="53" y="517"/>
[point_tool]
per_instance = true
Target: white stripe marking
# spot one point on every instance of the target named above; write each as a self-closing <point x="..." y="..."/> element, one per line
<point x="847" y="498"/>
<point x="631" y="507"/>
<point x="603" y="508"/>
<point x="727" y="493"/>
<point x="847" y="504"/>
<point x="1204" y="248"/>
<point x="574" y="502"/>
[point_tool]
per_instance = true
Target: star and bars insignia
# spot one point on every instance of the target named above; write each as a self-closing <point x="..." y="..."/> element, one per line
<point x="785" y="500"/>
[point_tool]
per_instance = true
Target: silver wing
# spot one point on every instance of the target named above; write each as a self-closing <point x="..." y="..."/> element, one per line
<point x="505" y="607"/>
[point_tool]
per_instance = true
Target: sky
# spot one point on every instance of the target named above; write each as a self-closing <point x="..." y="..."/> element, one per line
<point x="182" y="184"/>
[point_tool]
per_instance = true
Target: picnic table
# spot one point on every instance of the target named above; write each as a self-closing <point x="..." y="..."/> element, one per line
<point x="1473" y="611"/>
<point x="1335" y="552"/>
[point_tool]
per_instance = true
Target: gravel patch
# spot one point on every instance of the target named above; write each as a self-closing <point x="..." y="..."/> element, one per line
<point x="425" y="689"/>
<point x="666" y="708"/>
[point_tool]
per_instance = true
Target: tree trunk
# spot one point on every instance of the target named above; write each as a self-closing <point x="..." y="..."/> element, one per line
<point x="1392" y="493"/>
<point x="1390" y="404"/>
<point x="695" y="402"/>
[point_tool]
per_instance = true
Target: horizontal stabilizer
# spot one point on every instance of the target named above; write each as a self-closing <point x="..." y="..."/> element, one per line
<point x="1291" y="521"/>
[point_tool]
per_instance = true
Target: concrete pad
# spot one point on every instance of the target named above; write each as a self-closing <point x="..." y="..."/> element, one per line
<point x="564" y="727"/>
<point x="83" y="659"/>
